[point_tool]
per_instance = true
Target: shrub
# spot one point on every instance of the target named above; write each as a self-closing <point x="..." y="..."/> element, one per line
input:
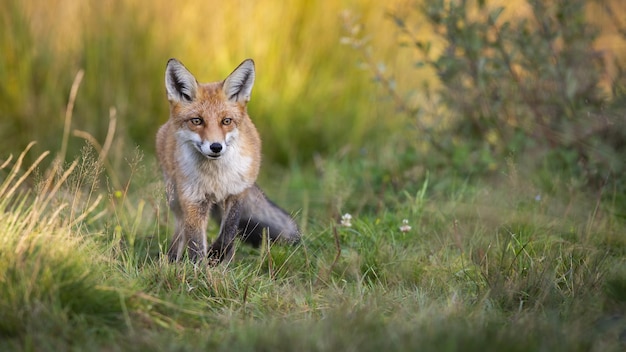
<point x="529" y="85"/>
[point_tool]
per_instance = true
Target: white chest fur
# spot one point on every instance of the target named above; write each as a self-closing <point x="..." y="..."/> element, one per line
<point x="215" y="179"/>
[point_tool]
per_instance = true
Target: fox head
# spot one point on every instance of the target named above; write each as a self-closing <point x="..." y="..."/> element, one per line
<point x="210" y="116"/>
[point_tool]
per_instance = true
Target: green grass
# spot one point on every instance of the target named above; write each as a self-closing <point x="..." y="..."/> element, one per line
<point x="483" y="267"/>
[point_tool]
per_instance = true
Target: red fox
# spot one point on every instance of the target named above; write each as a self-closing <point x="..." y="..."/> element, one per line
<point x="210" y="154"/>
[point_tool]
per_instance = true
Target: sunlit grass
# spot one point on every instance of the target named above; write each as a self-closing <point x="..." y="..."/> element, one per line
<point x="50" y="273"/>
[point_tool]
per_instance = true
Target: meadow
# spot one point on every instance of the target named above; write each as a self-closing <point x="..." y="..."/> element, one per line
<point x="487" y="209"/>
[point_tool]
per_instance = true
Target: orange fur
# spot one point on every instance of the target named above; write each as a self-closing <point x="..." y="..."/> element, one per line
<point x="210" y="155"/>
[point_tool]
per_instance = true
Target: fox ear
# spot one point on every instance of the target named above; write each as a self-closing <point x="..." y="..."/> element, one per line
<point x="238" y="85"/>
<point x="180" y="84"/>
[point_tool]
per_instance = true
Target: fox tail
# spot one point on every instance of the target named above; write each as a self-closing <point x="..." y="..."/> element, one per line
<point x="259" y="213"/>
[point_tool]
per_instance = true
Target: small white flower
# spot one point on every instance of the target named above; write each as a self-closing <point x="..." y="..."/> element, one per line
<point x="405" y="226"/>
<point x="345" y="220"/>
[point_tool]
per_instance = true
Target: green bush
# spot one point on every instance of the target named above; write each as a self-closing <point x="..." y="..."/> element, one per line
<point x="530" y="86"/>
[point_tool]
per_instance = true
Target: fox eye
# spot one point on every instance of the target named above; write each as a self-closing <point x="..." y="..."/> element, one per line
<point x="196" y="121"/>
<point x="227" y="121"/>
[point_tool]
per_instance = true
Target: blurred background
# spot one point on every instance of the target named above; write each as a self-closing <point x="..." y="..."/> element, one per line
<point x="310" y="95"/>
<point x="404" y="87"/>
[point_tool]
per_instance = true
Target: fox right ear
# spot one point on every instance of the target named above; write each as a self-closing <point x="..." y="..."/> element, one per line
<point x="238" y="85"/>
<point x="180" y="84"/>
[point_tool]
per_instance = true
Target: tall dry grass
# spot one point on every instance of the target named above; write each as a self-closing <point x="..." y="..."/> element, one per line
<point x="311" y="96"/>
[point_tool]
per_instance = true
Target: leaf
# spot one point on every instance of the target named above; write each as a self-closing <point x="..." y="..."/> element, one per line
<point x="495" y="14"/>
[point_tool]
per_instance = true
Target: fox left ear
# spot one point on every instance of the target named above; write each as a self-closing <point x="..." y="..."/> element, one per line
<point x="238" y="85"/>
<point x="180" y="84"/>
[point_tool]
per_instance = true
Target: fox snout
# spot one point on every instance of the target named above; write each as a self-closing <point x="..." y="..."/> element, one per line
<point x="212" y="150"/>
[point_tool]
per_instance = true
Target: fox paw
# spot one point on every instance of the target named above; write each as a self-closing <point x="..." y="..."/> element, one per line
<point x="217" y="255"/>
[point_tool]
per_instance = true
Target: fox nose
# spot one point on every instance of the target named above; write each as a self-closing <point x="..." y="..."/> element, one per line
<point x="216" y="147"/>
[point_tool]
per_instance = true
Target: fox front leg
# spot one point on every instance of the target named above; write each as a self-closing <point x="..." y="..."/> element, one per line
<point x="179" y="242"/>
<point x="194" y="228"/>
<point x="222" y="249"/>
